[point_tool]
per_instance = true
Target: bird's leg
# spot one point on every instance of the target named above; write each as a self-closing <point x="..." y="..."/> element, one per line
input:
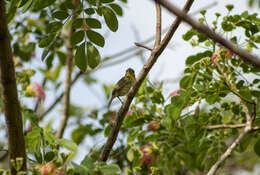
<point x="120" y="100"/>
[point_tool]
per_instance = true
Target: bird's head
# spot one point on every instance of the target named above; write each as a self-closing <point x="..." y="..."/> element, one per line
<point x="130" y="73"/>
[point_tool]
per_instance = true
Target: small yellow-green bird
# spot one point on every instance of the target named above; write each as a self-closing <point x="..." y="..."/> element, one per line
<point x="123" y="85"/>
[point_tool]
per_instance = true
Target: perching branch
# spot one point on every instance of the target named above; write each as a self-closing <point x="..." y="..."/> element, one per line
<point x="69" y="65"/>
<point x="245" y="55"/>
<point x="223" y="126"/>
<point x="140" y="78"/>
<point x="12" y="110"/>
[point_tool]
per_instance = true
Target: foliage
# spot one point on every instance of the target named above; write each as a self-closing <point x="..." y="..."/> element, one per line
<point x="160" y="134"/>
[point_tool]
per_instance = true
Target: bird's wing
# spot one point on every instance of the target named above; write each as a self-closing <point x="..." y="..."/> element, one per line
<point x="117" y="86"/>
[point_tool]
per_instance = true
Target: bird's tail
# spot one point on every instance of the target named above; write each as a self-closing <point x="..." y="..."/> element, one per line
<point x="109" y="103"/>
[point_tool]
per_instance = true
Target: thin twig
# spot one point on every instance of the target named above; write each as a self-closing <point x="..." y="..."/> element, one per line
<point x="223" y="126"/>
<point x="245" y="55"/>
<point x="69" y="65"/>
<point x="143" y="46"/>
<point x="245" y="109"/>
<point x="158" y="24"/>
<point x="140" y="78"/>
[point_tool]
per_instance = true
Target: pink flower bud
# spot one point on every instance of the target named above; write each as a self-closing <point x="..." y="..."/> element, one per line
<point x="147" y="155"/>
<point x="175" y="93"/>
<point x="35" y="90"/>
<point x="229" y="54"/>
<point x="213" y="58"/>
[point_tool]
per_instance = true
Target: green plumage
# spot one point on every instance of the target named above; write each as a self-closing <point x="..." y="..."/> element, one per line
<point x="123" y="85"/>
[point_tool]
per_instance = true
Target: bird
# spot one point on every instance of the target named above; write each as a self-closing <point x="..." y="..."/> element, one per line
<point x="123" y="85"/>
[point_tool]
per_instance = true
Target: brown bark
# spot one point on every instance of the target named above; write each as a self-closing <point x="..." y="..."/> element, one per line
<point x="156" y="52"/>
<point x="13" y="117"/>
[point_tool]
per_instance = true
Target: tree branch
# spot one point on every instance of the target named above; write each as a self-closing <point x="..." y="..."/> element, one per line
<point x="228" y="152"/>
<point x="245" y="55"/>
<point x="256" y="128"/>
<point x="143" y="46"/>
<point x="69" y="64"/>
<point x="141" y="76"/>
<point x="12" y="110"/>
<point x="247" y="128"/>
<point x="223" y="126"/>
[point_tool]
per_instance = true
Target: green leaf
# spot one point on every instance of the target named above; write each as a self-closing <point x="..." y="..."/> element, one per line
<point x="110" y="19"/>
<point x="245" y="93"/>
<point x="62" y="57"/>
<point x="107" y="130"/>
<point x="227" y="26"/>
<point x="257" y="148"/>
<point x="47" y="50"/>
<point x="96" y="38"/>
<point x="27" y="6"/>
<point x="77" y="37"/>
<point x="187" y="81"/>
<point x="49" y="60"/>
<point x="77" y="23"/>
<point x="46" y="41"/>
<point x="188" y="35"/>
<point x="14" y="4"/>
<point x="93" y="56"/>
<point x="61" y="15"/>
<point x="178" y="103"/>
<point x="111" y="169"/>
<point x="80" y="58"/>
<point x="130" y="155"/>
<point x="117" y="9"/>
<point x="92" y="2"/>
<point x="68" y="144"/>
<point x="89" y="11"/>
<point x="229" y="7"/>
<point x="40" y="4"/>
<point x="93" y="23"/>
<point x="54" y="27"/>
<point x="256" y="93"/>
<point x="78" y="134"/>
<point x="33" y="139"/>
<point x="211" y="99"/>
<point x="49" y="156"/>
<point x="194" y="58"/>
<point x="88" y="162"/>
<point x="31" y="115"/>
<point x="82" y="170"/>
<point x="106" y="1"/>
<point x="245" y="143"/>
